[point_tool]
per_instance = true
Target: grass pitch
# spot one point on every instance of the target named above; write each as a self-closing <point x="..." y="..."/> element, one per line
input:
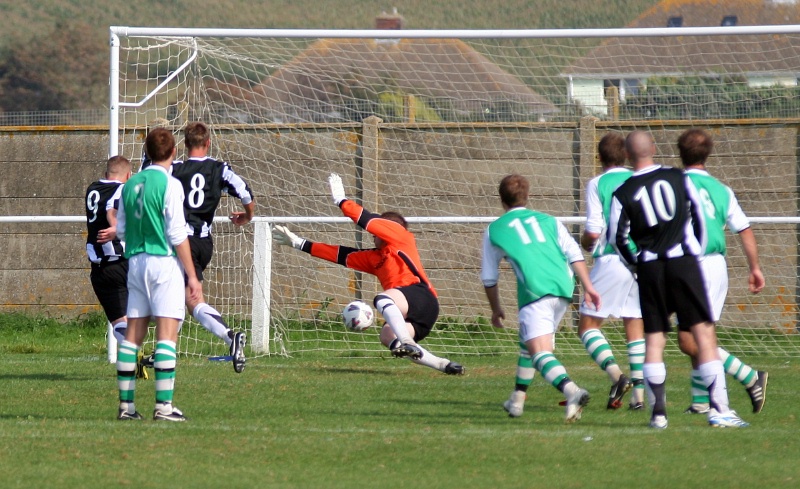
<point x="337" y="422"/>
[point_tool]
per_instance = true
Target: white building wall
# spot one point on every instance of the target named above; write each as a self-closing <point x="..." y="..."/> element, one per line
<point x="590" y="94"/>
<point x="769" y="81"/>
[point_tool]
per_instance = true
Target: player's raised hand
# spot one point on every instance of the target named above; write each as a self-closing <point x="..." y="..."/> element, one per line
<point x="283" y="236"/>
<point x="337" y="188"/>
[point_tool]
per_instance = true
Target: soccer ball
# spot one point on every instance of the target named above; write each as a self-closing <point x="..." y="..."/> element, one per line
<point x="358" y="316"/>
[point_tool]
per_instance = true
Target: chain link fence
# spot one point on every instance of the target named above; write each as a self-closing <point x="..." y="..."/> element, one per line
<point x="93" y="117"/>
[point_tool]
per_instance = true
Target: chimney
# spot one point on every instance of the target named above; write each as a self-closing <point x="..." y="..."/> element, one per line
<point x="393" y="21"/>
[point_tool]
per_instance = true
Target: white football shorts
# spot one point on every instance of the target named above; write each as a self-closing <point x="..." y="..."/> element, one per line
<point x="715" y="275"/>
<point x="156" y="287"/>
<point x="618" y="289"/>
<point x="541" y="317"/>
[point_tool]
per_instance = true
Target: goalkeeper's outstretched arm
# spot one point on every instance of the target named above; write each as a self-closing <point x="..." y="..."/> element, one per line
<point x="283" y="236"/>
<point x="343" y="255"/>
<point x="386" y="229"/>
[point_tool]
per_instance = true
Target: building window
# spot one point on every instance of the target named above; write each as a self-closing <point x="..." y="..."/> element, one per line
<point x="729" y="21"/>
<point x="675" y="22"/>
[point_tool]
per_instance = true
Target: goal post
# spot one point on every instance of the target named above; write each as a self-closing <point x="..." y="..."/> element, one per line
<point x="426" y="123"/>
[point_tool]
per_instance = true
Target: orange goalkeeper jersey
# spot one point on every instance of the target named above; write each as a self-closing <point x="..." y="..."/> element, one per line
<point x="397" y="264"/>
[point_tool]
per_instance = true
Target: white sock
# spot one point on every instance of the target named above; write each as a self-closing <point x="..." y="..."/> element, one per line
<point x="713" y="375"/>
<point x="570" y="389"/>
<point x="211" y="319"/>
<point x="164" y="407"/>
<point x="394" y="318"/>
<point x="119" y="331"/>
<point x="430" y="360"/>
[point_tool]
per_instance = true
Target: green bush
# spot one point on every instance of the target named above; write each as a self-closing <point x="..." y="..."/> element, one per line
<point x="710" y="98"/>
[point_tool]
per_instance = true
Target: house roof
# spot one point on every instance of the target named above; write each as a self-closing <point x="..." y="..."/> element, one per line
<point x="733" y="55"/>
<point x="330" y="71"/>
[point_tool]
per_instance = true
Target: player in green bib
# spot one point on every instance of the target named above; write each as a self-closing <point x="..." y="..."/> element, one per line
<point x="145" y="225"/>
<point x="613" y="280"/>
<point x="160" y="274"/>
<point x="720" y="208"/>
<point x="543" y="256"/>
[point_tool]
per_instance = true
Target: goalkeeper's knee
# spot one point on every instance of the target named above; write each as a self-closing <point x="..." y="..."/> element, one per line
<point x="382" y="301"/>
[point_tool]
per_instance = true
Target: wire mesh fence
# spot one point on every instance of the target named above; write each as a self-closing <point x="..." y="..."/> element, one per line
<point x="92" y="117"/>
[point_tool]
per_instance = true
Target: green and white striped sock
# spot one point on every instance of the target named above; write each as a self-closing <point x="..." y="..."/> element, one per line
<point x="596" y="344"/>
<point x="525" y="370"/>
<point x="164" y="362"/>
<point x="636" y="362"/>
<point x="699" y="390"/>
<point x="126" y="374"/>
<point x="550" y="368"/>
<point x="737" y="369"/>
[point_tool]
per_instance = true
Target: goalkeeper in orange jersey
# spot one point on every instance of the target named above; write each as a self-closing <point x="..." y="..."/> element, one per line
<point x="408" y="303"/>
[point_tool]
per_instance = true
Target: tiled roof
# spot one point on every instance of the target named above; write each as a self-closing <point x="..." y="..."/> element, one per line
<point x="638" y="57"/>
<point x="331" y="70"/>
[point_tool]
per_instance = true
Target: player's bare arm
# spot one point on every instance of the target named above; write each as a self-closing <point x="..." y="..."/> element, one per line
<point x="590" y="295"/>
<point x="493" y="294"/>
<point x="588" y="240"/>
<point x="106" y="235"/>
<point x="109" y="233"/>
<point x="242" y="218"/>
<point x="193" y="286"/>
<point x="755" y="280"/>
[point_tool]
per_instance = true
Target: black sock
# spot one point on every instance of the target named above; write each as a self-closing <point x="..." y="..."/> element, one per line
<point x="660" y="407"/>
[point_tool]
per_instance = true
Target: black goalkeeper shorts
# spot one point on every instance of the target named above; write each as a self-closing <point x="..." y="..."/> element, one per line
<point x="423" y="309"/>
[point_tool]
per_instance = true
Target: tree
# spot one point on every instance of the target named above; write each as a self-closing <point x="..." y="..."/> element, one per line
<point x="59" y="70"/>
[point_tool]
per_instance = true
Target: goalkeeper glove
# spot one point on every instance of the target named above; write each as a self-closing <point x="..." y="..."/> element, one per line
<point x="282" y="235"/>
<point x="337" y="188"/>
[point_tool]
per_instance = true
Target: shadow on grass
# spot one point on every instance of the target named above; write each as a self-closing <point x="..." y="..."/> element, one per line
<point x="26" y="417"/>
<point x="347" y="370"/>
<point x="47" y="377"/>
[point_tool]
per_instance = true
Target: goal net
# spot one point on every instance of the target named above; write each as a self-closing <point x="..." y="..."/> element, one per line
<point x="426" y="123"/>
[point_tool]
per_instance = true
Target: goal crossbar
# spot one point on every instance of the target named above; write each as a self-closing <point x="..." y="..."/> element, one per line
<point x="122" y="31"/>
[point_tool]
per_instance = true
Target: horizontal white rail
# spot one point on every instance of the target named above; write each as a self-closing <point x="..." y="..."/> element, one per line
<point x="123" y="31"/>
<point x="334" y="220"/>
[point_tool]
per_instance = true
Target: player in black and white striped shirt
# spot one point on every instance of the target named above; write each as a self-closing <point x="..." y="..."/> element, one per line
<point x="657" y="208"/>
<point x="204" y="181"/>
<point x="109" y="266"/>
